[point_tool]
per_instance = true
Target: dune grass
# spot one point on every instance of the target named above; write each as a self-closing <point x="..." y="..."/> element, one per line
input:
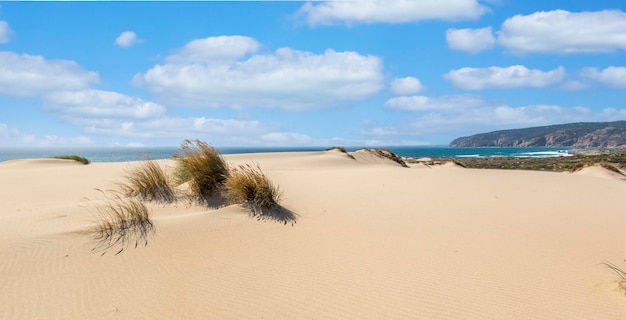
<point x="74" y="157"/>
<point x="149" y="182"/>
<point x="621" y="274"/>
<point x="121" y="222"/>
<point x="204" y="168"/>
<point x="342" y="150"/>
<point x="248" y="185"/>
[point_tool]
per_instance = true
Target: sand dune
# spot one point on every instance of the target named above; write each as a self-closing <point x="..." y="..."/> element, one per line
<point x="372" y="241"/>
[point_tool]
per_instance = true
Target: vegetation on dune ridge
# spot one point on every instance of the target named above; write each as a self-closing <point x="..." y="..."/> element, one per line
<point x="203" y="167"/>
<point x="149" y="182"/>
<point x="121" y="222"/>
<point x="74" y="157"/>
<point x="614" y="160"/>
<point x="340" y="149"/>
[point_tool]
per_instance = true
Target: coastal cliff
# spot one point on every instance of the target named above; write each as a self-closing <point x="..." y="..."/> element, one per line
<point x="580" y="135"/>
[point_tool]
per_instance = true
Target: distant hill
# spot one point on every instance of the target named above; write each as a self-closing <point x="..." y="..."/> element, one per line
<point x="581" y="135"/>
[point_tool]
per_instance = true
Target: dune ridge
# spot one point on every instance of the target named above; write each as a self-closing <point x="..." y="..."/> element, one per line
<point x="372" y="240"/>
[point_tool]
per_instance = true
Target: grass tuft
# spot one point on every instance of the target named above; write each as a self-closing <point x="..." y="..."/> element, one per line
<point x="203" y="167"/>
<point x="249" y="185"/>
<point x="341" y="149"/>
<point x="121" y="222"/>
<point x="149" y="182"/>
<point x="621" y="282"/>
<point x="74" y="157"/>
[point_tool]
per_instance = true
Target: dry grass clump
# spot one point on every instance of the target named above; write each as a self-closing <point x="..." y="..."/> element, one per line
<point x="621" y="281"/>
<point x="249" y="185"/>
<point x="74" y="157"/>
<point x="342" y="150"/>
<point x="149" y="182"/>
<point x="120" y="222"/>
<point x="203" y="167"/>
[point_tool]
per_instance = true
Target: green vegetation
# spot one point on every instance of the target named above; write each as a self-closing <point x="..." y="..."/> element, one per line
<point x="249" y="185"/>
<point x="149" y="182"/>
<point x="614" y="161"/>
<point x="203" y="167"/>
<point x="80" y="159"/>
<point x="341" y="149"/>
<point x="120" y="222"/>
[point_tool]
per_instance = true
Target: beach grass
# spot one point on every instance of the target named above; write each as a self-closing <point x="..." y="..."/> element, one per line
<point x="149" y="182"/>
<point x="74" y="157"/>
<point x="203" y="167"/>
<point x="621" y="274"/>
<point x="121" y="222"/>
<point x="248" y="185"/>
<point x="342" y="150"/>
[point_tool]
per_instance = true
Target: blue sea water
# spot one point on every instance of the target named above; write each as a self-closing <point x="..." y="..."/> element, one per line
<point x="123" y="154"/>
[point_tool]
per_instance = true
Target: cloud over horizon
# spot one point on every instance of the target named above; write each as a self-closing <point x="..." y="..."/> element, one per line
<point x="516" y="76"/>
<point x="389" y="11"/>
<point x="286" y="79"/>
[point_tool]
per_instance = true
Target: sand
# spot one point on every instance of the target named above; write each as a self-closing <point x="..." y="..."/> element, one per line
<point x="372" y="240"/>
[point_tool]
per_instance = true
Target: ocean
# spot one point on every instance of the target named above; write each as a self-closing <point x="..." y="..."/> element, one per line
<point x="123" y="154"/>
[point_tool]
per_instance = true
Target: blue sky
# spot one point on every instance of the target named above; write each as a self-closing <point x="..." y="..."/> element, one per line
<point x="354" y="73"/>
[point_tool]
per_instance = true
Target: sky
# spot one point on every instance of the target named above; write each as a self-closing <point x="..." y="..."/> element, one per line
<point x="324" y="73"/>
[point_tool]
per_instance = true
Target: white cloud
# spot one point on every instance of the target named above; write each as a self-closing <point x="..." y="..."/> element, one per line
<point x="509" y="77"/>
<point x="127" y="39"/>
<point x="25" y="75"/>
<point x="286" y="138"/>
<point x="214" y="49"/>
<point x="564" y="32"/>
<point x="172" y="127"/>
<point x="408" y="85"/>
<point x="98" y="104"/>
<point x="287" y="79"/>
<point x="470" y="40"/>
<point x="611" y="76"/>
<point x="389" y="11"/>
<point x="5" y="31"/>
<point x="468" y="114"/>
<point x="423" y="103"/>
<point x="10" y="137"/>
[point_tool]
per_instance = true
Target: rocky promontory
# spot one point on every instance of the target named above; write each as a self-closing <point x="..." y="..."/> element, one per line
<point x="578" y="135"/>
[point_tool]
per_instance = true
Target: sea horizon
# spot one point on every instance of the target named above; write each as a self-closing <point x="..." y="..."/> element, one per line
<point x="124" y="154"/>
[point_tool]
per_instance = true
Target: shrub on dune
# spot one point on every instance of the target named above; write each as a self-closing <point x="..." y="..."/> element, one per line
<point x="122" y="221"/>
<point x="205" y="168"/>
<point x="149" y="182"/>
<point x="74" y="157"/>
<point x="249" y="185"/>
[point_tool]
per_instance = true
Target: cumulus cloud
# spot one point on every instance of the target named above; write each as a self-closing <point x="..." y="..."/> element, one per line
<point x="611" y="76"/>
<point x="173" y="127"/>
<point x="288" y="79"/>
<point x="11" y="136"/>
<point x="389" y="11"/>
<point x="510" y="77"/>
<point x="286" y="138"/>
<point x="456" y="115"/>
<point x="27" y="75"/>
<point x="564" y="32"/>
<point x="424" y="103"/>
<point x="99" y="103"/>
<point x="470" y="40"/>
<point x="408" y="85"/>
<point x="214" y="49"/>
<point x="127" y="39"/>
<point x="5" y="31"/>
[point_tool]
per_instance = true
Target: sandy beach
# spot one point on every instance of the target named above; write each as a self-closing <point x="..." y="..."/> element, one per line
<point x="371" y="240"/>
